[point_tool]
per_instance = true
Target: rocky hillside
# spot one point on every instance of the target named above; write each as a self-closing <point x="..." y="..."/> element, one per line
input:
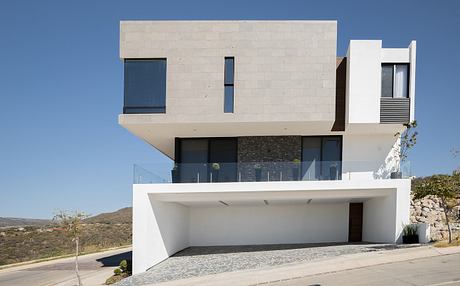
<point x="20" y="241"/>
<point x="124" y="215"/>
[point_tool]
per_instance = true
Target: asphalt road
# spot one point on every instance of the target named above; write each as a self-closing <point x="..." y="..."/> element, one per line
<point x="433" y="271"/>
<point x="94" y="270"/>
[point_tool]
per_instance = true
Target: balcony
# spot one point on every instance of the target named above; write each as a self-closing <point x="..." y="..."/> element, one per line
<point x="265" y="171"/>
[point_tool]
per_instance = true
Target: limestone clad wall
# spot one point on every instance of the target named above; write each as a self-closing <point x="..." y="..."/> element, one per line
<point x="284" y="70"/>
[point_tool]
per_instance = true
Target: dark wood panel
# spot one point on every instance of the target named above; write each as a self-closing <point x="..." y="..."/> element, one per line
<point x="355" y="222"/>
<point x="340" y="87"/>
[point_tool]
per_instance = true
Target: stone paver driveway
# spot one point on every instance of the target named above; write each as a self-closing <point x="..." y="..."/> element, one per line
<point x="199" y="261"/>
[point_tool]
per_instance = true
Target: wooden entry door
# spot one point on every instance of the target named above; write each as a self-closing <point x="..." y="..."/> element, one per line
<point x="355" y="222"/>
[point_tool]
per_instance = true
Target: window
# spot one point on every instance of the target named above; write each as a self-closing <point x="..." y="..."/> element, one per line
<point x="322" y="158"/>
<point x="229" y="70"/>
<point x="395" y="79"/>
<point x="145" y="86"/>
<point x="196" y="156"/>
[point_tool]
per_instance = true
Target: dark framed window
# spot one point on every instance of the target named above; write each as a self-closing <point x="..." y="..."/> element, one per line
<point x="196" y="156"/>
<point x="229" y="92"/>
<point x="144" y="86"/>
<point x="322" y="158"/>
<point x="395" y="80"/>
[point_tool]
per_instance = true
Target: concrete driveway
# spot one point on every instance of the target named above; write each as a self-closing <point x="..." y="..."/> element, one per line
<point x="94" y="270"/>
<point x="202" y="261"/>
<point x="423" y="265"/>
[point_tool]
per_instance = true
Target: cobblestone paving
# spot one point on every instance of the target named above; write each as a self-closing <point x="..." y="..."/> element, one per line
<point x="199" y="261"/>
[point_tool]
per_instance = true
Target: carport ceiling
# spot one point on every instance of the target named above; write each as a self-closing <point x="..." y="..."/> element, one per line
<point x="271" y="202"/>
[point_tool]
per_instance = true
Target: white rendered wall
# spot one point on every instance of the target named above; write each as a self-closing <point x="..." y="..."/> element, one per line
<point x="363" y="91"/>
<point x="385" y="217"/>
<point x="368" y="157"/>
<point x="296" y="223"/>
<point x="163" y="224"/>
<point x="413" y="62"/>
<point x="363" y="81"/>
<point x="160" y="229"/>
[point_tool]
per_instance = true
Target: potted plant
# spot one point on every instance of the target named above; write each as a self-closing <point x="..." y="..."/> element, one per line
<point x="258" y="170"/>
<point x="296" y="169"/>
<point x="333" y="170"/>
<point x="410" y="234"/>
<point x="407" y="140"/>
<point x="175" y="173"/>
<point x="215" y="172"/>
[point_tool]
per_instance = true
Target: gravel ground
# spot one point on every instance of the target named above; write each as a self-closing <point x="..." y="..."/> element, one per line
<point x="199" y="261"/>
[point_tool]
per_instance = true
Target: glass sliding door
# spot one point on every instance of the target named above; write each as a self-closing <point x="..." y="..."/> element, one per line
<point x="321" y="158"/>
<point x="206" y="160"/>
<point x="331" y="168"/>
<point x="222" y="159"/>
<point x="311" y="158"/>
<point x="193" y="160"/>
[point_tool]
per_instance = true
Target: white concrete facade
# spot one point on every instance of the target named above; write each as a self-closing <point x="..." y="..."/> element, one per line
<point x="364" y="61"/>
<point x="171" y="217"/>
<point x="285" y="85"/>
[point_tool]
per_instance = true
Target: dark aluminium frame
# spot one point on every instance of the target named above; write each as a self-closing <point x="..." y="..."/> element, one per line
<point x="178" y="148"/>
<point x="178" y="153"/>
<point x="228" y="84"/>
<point x="408" y="78"/>
<point x="321" y="156"/>
<point x="125" y="108"/>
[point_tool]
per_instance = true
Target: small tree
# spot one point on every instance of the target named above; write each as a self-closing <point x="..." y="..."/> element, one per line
<point x="72" y="223"/>
<point x="444" y="187"/>
<point x="408" y="139"/>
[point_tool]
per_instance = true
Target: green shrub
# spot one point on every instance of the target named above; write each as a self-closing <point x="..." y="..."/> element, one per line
<point x="117" y="271"/>
<point x="410" y="229"/>
<point x="124" y="265"/>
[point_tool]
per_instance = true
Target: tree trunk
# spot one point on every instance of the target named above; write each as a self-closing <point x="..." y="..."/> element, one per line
<point x="446" y="213"/>
<point x="76" y="262"/>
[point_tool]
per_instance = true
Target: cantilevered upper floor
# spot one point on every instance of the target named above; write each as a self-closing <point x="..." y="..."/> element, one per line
<point x="188" y="79"/>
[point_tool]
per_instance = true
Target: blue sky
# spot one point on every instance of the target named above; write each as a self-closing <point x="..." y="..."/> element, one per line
<point x="61" y="84"/>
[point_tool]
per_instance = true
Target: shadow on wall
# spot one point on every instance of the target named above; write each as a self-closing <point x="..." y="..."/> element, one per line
<point x="114" y="260"/>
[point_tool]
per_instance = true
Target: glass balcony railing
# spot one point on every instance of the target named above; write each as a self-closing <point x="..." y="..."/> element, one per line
<point x="266" y="171"/>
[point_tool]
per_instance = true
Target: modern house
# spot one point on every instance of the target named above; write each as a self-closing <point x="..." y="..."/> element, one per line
<point x="272" y="138"/>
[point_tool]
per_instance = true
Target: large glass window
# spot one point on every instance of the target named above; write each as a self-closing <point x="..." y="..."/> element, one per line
<point x="206" y="160"/>
<point x="395" y="80"/>
<point x="145" y="86"/>
<point x="194" y="156"/>
<point x="321" y="158"/>
<point x="229" y="71"/>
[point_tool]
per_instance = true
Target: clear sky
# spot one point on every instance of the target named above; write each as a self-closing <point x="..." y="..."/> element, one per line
<point x="61" y="87"/>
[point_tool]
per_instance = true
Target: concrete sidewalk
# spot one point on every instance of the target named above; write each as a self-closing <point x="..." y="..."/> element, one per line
<point x="299" y="270"/>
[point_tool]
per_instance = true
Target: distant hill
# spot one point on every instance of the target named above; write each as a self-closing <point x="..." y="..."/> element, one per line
<point x="14" y="221"/>
<point x="28" y="239"/>
<point x="124" y="215"/>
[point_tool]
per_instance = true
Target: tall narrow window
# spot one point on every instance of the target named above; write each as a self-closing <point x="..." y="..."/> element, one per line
<point x="229" y="70"/>
<point x="395" y="79"/>
<point x="145" y="86"/>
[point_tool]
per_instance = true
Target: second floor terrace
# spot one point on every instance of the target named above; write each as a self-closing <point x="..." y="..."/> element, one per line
<point x="268" y="171"/>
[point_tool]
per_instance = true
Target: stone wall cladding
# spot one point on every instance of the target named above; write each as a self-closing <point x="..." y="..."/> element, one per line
<point x="429" y="210"/>
<point x="275" y="155"/>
